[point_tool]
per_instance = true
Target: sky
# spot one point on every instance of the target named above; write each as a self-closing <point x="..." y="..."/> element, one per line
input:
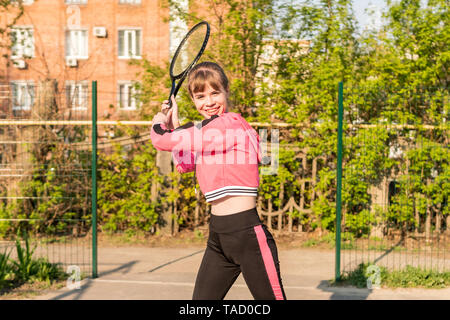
<point x="359" y="7"/>
<point x="373" y="22"/>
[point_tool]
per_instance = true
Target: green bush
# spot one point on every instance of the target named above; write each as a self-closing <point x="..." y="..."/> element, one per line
<point x="27" y="269"/>
<point x="124" y="190"/>
<point x="24" y="267"/>
<point x="356" y="277"/>
<point x="5" y="268"/>
<point x="47" y="272"/>
<point x="417" y="277"/>
<point x="410" y="277"/>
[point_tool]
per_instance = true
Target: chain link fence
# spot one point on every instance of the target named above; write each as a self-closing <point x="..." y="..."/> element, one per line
<point x="395" y="179"/>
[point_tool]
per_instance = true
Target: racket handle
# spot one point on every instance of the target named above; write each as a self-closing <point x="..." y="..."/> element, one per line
<point x="170" y="105"/>
<point x="172" y="92"/>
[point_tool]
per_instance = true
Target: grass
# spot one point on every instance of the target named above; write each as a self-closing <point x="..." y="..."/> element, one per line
<point x="413" y="277"/>
<point x="30" y="289"/>
<point x="26" y="270"/>
<point x="327" y="240"/>
<point x="350" y="244"/>
<point x="185" y="237"/>
<point x="410" y="277"/>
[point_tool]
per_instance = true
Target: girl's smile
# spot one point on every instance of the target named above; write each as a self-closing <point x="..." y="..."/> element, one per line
<point x="211" y="101"/>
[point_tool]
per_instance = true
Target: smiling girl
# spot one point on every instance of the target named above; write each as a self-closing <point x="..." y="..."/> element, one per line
<point x="223" y="150"/>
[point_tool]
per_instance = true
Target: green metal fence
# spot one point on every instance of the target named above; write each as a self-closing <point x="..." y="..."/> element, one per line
<point x="392" y="178"/>
<point x="393" y="197"/>
<point x="46" y="177"/>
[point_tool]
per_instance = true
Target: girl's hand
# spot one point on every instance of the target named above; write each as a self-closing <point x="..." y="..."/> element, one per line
<point x="159" y="118"/>
<point x="172" y="119"/>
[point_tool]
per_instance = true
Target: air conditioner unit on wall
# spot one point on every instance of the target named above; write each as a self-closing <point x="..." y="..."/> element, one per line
<point x="100" y="32"/>
<point x="71" y="62"/>
<point x="20" y="64"/>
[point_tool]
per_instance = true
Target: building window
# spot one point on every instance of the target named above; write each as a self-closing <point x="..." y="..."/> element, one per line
<point x="77" y="44"/>
<point x="130" y="1"/>
<point x="130" y="43"/>
<point x="23" y="95"/>
<point x="128" y="96"/>
<point x="22" y="40"/>
<point x="77" y="95"/>
<point x="75" y="1"/>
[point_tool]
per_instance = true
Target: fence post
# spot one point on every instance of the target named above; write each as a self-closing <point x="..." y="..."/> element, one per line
<point x="164" y="163"/>
<point x="94" y="179"/>
<point x="339" y="180"/>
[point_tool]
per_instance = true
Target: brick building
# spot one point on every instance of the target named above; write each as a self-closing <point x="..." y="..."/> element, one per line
<point x="69" y="43"/>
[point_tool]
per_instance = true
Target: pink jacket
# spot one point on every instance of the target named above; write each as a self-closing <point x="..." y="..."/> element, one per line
<point x="223" y="151"/>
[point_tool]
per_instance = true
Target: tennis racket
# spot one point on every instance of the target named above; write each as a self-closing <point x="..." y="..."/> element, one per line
<point x="187" y="54"/>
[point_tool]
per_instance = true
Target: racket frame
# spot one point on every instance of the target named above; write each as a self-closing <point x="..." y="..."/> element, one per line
<point x="174" y="89"/>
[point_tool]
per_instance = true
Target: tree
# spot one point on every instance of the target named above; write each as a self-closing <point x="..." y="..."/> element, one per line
<point x="285" y="61"/>
<point x="10" y="11"/>
<point x="239" y="28"/>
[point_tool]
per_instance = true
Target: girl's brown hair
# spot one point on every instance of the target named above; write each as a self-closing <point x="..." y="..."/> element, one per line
<point x="207" y="73"/>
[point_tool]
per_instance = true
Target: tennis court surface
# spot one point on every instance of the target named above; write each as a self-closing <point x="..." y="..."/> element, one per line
<point x="141" y="273"/>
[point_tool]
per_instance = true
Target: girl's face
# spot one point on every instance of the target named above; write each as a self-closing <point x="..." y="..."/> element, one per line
<point x="211" y="101"/>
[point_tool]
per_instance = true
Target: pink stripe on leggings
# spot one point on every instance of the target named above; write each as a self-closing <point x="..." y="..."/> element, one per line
<point x="268" y="262"/>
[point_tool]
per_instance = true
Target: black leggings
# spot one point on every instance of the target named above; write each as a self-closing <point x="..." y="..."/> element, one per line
<point x="239" y="243"/>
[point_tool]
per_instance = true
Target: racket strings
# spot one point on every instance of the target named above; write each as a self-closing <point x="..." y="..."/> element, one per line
<point x="189" y="50"/>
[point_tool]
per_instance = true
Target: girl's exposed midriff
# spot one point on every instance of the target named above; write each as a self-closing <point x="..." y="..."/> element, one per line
<point x="232" y="204"/>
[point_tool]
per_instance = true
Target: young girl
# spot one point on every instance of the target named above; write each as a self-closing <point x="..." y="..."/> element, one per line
<point x="224" y="152"/>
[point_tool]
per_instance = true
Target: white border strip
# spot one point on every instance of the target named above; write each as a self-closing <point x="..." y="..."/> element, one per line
<point x="186" y="284"/>
<point x="230" y="187"/>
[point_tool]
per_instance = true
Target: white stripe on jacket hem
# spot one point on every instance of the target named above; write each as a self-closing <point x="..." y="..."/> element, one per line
<point x="231" y="191"/>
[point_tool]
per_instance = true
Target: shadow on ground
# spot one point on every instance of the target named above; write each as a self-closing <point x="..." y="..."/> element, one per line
<point x="344" y="293"/>
<point x="78" y="293"/>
